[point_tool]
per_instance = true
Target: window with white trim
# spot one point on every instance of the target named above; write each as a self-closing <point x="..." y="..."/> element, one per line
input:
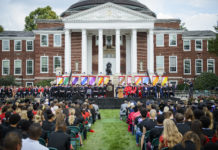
<point x="5" y="45"/>
<point x="109" y="40"/>
<point x="159" y="64"/>
<point x="56" y="62"/>
<point x="172" y="39"/>
<point x="57" y="40"/>
<point x="5" y="67"/>
<point x="186" y="45"/>
<point x="43" y="40"/>
<point x="211" y="65"/>
<point x="17" y="45"/>
<point x="96" y="40"/>
<point x="187" y="66"/>
<point x="29" y="45"/>
<point x="17" y="67"/>
<point x="173" y="64"/>
<point x="44" y="64"/>
<point x="198" y="66"/>
<point x="198" y="45"/>
<point x="28" y="84"/>
<point x="173" y="82"/>
<point x="29" y="67"/>
<point x="159" y="40"/>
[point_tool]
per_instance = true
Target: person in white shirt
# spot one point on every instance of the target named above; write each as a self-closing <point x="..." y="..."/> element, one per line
<point x="32" y="142"/>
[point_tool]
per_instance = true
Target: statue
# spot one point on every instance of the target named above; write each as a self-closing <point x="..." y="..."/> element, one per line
<point x="108" y="69"/>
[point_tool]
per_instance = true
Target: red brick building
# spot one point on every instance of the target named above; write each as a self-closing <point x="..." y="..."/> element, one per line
<point x="92" y="33"/>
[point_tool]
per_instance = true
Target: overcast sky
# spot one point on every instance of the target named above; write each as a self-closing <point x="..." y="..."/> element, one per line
<point x="197" y="14"/>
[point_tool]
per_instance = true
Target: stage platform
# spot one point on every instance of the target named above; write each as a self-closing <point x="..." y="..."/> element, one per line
<point x="115" y="103"/>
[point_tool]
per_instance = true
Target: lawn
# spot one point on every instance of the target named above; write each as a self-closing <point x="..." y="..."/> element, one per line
<point x="110" y="134"/>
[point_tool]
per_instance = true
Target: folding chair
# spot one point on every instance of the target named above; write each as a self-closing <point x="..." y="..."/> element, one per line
<point x="52" y="148"/>
<point x="155" y="143"/>
<point x="42" y="141"/>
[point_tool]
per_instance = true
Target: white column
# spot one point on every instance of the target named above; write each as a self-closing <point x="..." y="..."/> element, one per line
<point x="67" y="52"/>
<point x="128" y="54"/>
<point x="148" y="53"/>
<point x="100" y="51"/>
<point x="134" y="51"/>
<point x="151" y="51"/>
<point x="84" y="52"/>
<point x="89" y="54"/>
<point x="117" y="51"/>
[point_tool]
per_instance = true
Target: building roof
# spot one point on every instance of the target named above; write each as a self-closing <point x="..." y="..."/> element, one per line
<point x="16" y="34"/>
<point x="167" y="20"/>
<point x="52" y="29"/>
<point x="165" y="28"/>
<point x="198" y="33"/>
<point x="87" y="4"/>
<point x="49" y="21"/>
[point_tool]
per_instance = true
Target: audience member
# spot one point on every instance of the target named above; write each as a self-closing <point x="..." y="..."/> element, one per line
<point x="12" y="141"/>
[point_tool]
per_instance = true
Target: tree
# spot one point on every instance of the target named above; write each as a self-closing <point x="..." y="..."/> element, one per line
<point x="39" y="13"/>
<point x="213" y="45"/>
<point x="7" y="80"/>
<point x="44" y="82"/>
<point x="1" y="28"/>
<point x="182" y="26"/>
<point x="206" y="81"/>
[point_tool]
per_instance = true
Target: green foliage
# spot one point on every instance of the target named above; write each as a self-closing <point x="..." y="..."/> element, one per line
<point x="213" y="45"/>
<point x="206" y="81"/>
<point x="44" y="83"/>
<point x="182" y="26"/>
<point x="1" y="28"/>
<point x="181" y="86"/>
<point x="7" y="80"/>
<point x="39" y="13"/>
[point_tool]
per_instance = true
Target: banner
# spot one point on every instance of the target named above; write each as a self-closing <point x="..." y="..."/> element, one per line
<point x="75" y="80"/>
<point x="106" y="79"/>
<point x="60" y="80"/>
<point x="155" y="79"/>
<point x="92" y="80"/>
<point x="100" y="80"/>
<point x="129" y="80"/>
<point x="66" y="80"/>
<point x="84" y="80"/>
<point x="164" y="80"/>
<point x="145" y="80"/>
<point x="122" y="80"/>
<point x="138" y="80"/>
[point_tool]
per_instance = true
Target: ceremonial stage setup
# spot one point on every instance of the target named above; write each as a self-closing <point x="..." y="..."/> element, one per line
<point x="103" y="80"/>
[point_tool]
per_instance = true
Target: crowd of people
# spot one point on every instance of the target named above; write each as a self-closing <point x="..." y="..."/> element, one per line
<point x="177" y="125"/>
<point x="87" y="91"/>
<point x="43" y="125"/>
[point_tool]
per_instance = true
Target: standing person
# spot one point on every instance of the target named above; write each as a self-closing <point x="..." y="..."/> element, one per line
<point x="191" y="88"/>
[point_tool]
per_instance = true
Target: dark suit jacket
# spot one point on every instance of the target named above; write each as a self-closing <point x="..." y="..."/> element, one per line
<point x="183" y="128"/>
<point x="59" y="140"/>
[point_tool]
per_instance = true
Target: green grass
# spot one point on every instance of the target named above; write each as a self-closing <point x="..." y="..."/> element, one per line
<point x="110" y="134"/>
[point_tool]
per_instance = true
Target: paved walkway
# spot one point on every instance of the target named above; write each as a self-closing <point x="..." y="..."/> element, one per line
<point x="110" y="134"/>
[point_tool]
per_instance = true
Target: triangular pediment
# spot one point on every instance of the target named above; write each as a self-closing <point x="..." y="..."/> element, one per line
<point x="108" y="12"/>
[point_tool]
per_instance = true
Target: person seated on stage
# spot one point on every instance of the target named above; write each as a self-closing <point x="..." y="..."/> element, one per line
<point x="95" y="91"/>
<point x="116" y="91"/>
<point x="127" y="90"/>
<point x="82" y="91"/>
<point x="139" y="91"/>
<point x="133" y="90"/>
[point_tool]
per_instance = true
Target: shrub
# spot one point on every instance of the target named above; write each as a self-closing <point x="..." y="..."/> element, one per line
<point x="7" y="80"/>
<point x="44" y="83"/>
<point x="206" y="81"/>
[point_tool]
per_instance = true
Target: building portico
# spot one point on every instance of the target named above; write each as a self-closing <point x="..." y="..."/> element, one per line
<point x="114" y="21"/>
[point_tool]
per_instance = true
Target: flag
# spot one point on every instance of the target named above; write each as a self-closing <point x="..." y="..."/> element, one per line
<point x="164" y="80"/>
<point x="138" y="80"/>
<point x="92" y="80"/>
<point x="145" y="80"/>
<point x="66" y="80"/>
<point x="75" y="80"/>
<point x="100" y="80"/>
<point x="60" y="80"/>
<point x="106" y="79"/>
<point x="84" y="80"/>
<point x="129" y="80"/>
<point x="121" y="80"/>
<point x="155" y="80"/>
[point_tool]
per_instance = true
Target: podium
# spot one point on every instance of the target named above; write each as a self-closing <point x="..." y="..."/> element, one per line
<point x="110" y="90"/>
